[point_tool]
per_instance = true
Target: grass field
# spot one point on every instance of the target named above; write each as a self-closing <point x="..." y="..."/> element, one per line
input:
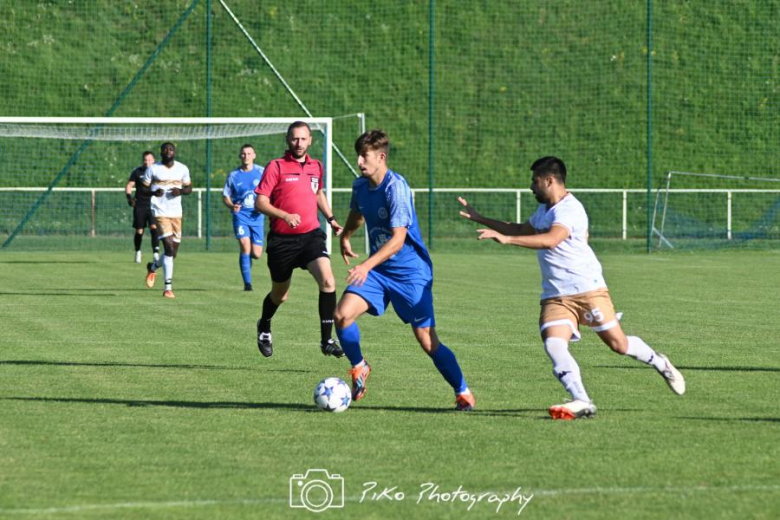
<point x="115" y="403"/>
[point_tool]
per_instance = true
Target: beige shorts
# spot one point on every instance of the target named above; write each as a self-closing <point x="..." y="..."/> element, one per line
<point x="169" y="227"/>
<point x="593" y="309"/>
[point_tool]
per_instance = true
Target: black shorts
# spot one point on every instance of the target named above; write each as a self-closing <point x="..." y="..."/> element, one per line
<point x="142" y="217"/>
<point x="286" y="252"/>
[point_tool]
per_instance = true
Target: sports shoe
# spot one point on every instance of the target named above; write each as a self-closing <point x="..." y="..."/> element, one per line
<point x="168" y="294"/>
<point x="151" y="276"/>
<point x="576" y="409"/>
<point x="359" y="379"/>
<point x="264" y="342"/>
<point x="332" y="348"/>
<point x="465" y="401"/>
<point x="673" y="377"/>
<point x="247" y="286"/>
<point x="137" y="257"/>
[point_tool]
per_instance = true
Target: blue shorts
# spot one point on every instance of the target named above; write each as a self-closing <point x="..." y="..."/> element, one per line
<point x="252" y="231"/>
<point x="412" y="301"/>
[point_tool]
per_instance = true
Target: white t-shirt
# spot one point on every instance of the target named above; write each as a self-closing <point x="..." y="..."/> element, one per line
<point x="571" y="267"/>
<point x="160" y="176"/>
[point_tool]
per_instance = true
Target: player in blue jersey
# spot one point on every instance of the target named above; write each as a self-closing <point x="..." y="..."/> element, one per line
<point x="239" y="196"/>
<point x="398" y="270"/>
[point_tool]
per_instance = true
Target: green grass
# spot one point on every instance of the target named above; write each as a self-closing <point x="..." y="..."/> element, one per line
<point x="115" y="403"/>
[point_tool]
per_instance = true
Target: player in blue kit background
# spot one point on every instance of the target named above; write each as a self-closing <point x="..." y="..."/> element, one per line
<point x="239" y="196"/>
<point x="398" y="270"/>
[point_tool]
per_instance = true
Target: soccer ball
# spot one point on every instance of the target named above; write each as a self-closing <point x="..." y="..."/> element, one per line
<point x="332" y="395"/>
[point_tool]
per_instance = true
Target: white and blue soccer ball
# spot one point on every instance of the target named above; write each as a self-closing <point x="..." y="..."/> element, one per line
<point x="332" y="395"/>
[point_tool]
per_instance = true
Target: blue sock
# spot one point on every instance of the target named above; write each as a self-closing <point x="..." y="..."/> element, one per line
<point x="445" y="361"/>
<point x="350" y="342"/>
<point x="245" y="263"/>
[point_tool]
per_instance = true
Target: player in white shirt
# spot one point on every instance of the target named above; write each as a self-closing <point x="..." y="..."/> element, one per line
<point x="168" y="180"/>
<point x="573" y="289"/>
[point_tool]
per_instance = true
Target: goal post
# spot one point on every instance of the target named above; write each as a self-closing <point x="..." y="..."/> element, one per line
<point x="710" y="210"/>
<point x="63" y="178"/>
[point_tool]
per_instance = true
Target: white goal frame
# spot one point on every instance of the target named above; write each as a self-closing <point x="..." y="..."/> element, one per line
<point x="321" y="124"/>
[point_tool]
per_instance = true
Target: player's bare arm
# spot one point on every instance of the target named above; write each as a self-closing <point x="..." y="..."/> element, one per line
<point x="548" y="240"/>
<point x="324" y="207"/>
<point x="354" y="221"/>
<point x="359" y="273"/>
<point x="264" y="206"/>
<point x="235" y="208"/>
<point x="186" y="189"/>
<point x="504" y="228"/>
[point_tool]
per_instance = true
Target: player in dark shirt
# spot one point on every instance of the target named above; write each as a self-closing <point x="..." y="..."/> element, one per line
<point x="142" y="208"/>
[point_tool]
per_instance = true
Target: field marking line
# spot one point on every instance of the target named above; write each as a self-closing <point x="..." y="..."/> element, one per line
<point x="356" y="499"/>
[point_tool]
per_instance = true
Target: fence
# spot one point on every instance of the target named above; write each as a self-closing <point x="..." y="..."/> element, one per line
<point x="615" y="214"/>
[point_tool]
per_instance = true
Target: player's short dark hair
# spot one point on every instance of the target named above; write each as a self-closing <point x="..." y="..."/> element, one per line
<point x="375" y="140"/>
<point x="297" y="124"/>
<point x="247" y="145"/>
<point x="550" y="166"/>
<point x="167" y="143"/>
<point x="147" y="152"/>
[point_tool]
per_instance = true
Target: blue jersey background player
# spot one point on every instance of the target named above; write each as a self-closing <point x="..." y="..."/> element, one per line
<point x="248" y="224"/>
<point x="398" y="270"/>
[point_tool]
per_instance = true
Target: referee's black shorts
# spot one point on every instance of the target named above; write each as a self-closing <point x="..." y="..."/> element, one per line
<point x="142" y="217"/>
<point x="287" y="252"/>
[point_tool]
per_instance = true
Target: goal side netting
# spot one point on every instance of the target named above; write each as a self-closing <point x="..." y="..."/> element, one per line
<point x="62" y="180"/>
<point x="710" y="210"/>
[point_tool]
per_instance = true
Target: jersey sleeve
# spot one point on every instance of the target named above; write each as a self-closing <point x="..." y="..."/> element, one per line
<point x="185" y="178"/>
<point x="399" y="202"/>
<point x="227" y="191"/>
<point x="569" y="216"/>
<point x="270" y="179"/>
<point x="147" y="177"/>
<point x="353" y="203"/>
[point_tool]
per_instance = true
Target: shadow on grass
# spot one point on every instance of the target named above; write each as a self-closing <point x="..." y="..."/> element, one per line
<point x="86" y="292"/>
<point x="734" y="419"/>
<point x="704" y="369"/>
<point x="235" y="405"/>
<point x="25" y="362"/>
<point x="48" y="262"/>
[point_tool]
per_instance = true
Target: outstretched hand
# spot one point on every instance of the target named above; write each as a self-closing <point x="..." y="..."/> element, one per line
<point x="490" y="234"/>
<point x="468" y="212"/>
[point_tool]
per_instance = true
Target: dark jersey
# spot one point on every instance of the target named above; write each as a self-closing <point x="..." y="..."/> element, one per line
<point x="143" y="197"/>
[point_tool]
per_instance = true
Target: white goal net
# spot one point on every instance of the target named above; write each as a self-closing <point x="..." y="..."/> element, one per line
<point x="63" y="179"/>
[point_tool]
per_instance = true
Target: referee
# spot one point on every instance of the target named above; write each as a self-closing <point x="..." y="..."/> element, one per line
<point x="142" y="208"/>
<point x="290" y="193"/>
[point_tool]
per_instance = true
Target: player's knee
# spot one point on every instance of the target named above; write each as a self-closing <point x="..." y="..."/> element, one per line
<point x="328" y="284"/>
<point x="341" y="319"/>
<point x="619" y="345"/>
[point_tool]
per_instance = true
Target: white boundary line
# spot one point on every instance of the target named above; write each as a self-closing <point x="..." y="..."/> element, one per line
<point x="356" y="499"/>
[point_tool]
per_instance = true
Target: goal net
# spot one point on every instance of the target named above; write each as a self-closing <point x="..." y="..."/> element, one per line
<point x="63" y="179"/>
<point x="709" y="210"/>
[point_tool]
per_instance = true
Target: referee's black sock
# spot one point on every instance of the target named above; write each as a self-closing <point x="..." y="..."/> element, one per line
<point x="327" y="309"/>
<point x="137" y="241"/>
<point x="269" y="309"/>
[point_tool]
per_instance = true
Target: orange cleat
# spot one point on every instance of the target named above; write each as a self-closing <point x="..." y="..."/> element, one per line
<point x="151" y="276"/>
<point x="576" y="409"/>
<point x="465" y="401"/>
<point x="359" y="378"/>
<point x="168" y="294"/>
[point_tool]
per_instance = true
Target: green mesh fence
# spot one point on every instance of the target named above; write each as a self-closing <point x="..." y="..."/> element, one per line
<point x="512" y="82"/>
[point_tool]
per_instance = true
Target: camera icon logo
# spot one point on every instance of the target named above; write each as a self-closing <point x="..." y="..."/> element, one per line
<point x="317" y="490"/>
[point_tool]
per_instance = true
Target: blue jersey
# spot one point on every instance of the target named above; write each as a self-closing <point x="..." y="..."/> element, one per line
<point x="240" y="188"/>
<point x="388" y="206"/>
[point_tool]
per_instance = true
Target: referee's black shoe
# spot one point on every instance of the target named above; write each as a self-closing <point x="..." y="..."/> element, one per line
<point x="264" y="342"/>
<point x="331" y="348"/>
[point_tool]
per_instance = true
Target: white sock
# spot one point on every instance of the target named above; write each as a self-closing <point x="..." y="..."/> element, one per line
<point x="641" y="351"/>
<point x="565" y="367"/>
<point x="168" y="269"/>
